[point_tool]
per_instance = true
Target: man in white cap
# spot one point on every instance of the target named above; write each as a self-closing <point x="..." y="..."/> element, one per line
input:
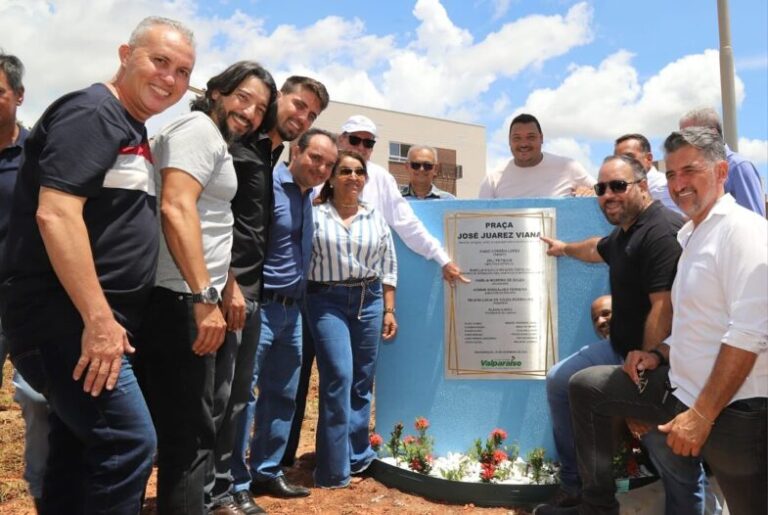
<point x="358" y="134"/>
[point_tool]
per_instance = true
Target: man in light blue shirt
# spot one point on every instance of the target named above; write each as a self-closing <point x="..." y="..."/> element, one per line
<point x="278" y="356"/>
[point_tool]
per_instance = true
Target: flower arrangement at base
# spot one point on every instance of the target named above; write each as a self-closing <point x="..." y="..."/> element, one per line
<point x="489" y="462"/>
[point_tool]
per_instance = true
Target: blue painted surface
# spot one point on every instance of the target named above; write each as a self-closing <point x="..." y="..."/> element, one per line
<point x="410" y="378"/>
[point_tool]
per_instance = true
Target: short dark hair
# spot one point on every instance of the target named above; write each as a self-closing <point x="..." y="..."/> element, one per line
<point x="326" y="193"/>
<point x="304" y="139"/>
<point x="638" y="172"/>
<point x="295" y="82"/>
<point x="227" y="81"/>
<point x="707" y="140"/>
<point x="645" y="145"/>
<point x="14" y="71"/>
<point x="525" y="118"/>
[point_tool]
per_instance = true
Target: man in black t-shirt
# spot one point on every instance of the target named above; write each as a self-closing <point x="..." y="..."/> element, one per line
<point x="642" y="253"/>
<point x="79" y="264"/>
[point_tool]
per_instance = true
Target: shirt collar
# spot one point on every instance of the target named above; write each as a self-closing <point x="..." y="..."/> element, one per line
<point x="643" y="217"/>
<point x="433" y="192"/>
<point x="722" y="207"/>
<point x="283" y="174"/>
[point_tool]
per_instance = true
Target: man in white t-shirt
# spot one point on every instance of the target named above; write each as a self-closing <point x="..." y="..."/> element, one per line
<point x="638" y="146"/>
<point x="533" y="173"/>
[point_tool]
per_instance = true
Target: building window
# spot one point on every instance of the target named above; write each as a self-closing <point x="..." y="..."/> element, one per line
<point x="398" y="152"/>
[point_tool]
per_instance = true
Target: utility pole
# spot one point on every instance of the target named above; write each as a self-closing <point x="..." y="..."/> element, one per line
<point x="727" y="72"/>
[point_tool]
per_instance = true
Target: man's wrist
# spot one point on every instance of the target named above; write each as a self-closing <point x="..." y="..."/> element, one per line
<point x="659" y="355"/>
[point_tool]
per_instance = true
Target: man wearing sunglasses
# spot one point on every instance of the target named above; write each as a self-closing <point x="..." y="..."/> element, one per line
<point x="423" y="166"/>
<point x="638" y="146"/>
<point x="641" y="253"/>
<point x="533" y="173"/>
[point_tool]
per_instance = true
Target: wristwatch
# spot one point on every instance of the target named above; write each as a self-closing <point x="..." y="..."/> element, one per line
<point x="209" y="295"/>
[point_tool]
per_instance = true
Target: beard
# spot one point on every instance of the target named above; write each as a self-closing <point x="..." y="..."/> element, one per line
<point x="222" y="116"/>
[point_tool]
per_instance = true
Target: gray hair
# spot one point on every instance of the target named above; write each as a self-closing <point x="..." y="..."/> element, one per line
<point x="415" y="148"/>
<point x="152" y="21"/>
<point x="702" y="117"/>
<point x="14" y="71"/>
<point x="707" y="140"/>
<point x="638" y="172"/>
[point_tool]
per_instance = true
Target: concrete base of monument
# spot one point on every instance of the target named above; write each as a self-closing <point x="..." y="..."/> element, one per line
<point x="487" y="494"/>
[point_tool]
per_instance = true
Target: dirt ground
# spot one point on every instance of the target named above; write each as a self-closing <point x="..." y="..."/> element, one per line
<point x="367" y="496"/>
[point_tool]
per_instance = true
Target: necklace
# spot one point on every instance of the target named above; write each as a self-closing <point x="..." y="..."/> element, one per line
<point x="346" y="206"/>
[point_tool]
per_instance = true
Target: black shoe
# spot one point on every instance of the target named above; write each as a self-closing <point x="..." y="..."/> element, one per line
<point x="548" y="509"/>
<point x="227" y="509"/>
<point x="279" y="487"/>
<point x="563" y="499"/>
<point x="245" y="502"/>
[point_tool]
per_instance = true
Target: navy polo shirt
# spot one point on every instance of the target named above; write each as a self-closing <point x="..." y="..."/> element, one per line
<point x="10" y="160"/>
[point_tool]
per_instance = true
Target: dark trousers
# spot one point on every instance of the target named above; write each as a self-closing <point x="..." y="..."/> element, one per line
<point x="178" y="386"/>
<point x="232" y="385"/>
<point x="101" y="448"/>
<point x="307" y="359"/>
<point x="736" y="449"/>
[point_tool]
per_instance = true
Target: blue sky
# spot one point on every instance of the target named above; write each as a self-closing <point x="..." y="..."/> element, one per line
<point x="590" y="70"/>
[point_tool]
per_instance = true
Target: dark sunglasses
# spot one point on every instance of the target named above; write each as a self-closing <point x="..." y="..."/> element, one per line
<point x="418" y="166"/>
<point x="616" y="186"/>
<point x="345" y="170"/>
<point x="356" y="140"/>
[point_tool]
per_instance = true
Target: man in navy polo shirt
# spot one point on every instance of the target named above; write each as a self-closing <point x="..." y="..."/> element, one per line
<point x="79" y="264"/>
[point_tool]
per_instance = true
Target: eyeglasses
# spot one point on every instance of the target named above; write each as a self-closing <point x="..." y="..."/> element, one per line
<point x="616" y="186"/>
<point x="345" y="170"/>
<point x="356" y="140"/>
<point x="418" y="166"/>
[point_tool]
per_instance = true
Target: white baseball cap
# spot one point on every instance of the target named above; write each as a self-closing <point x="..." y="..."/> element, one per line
<point x="359" y="123"/>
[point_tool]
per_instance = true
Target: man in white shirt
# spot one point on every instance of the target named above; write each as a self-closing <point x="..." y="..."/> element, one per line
<point x="712" y="398"/>
<point x="638" y="146"/>
<point x="533" y="173"/>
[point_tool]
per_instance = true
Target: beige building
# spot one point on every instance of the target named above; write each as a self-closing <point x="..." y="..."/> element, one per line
<point x="461" y="146"/>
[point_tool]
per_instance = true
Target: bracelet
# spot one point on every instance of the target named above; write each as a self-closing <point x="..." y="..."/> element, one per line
<point x="389" y="310"/>
<point x="705" y="419"/>
<point x="662" y="359"/>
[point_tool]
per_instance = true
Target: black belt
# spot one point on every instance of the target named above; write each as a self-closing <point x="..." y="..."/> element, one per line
<point x="276" y="297"/>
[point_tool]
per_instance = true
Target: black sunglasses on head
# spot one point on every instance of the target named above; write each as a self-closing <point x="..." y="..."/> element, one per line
<point x="418" y="166"/>
<point x="617" y="186"/>
<point x="356" y="140"/>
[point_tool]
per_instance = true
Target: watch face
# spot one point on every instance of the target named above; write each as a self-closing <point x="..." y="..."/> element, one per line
<point x="211" y="295"/>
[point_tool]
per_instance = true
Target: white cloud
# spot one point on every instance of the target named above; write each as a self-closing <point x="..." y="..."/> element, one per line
<point x="500" y="8"/>
<point x="756" y="150"/>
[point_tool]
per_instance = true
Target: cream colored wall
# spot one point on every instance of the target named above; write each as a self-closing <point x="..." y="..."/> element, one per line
<point x="467" y="139"/>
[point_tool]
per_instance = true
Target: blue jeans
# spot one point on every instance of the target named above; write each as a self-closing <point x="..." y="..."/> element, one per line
<point x="346" y="343"/>
<point x="232" y="390"/>
<point x="178" y="386"/>
<point x="34" y="409"/>
<point x="101" y="448"/>
<point x="597" y="353"/>
<point x="276" y="374"/>
<point x="736" y="454"/>
<point x="684" y="479"/>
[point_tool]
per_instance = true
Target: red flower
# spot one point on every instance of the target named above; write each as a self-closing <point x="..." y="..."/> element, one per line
<point x="416" y="464"/>
<point x="408" y="440"/>
<point x="428" y="458"/>
<point x="499" y="456"/>
<point x="487" y="472"/>
<point x="376" y="441"/>
<point x="421" y="424"/>
<point x="633" y="470"/>
<point x="498" y="435"/>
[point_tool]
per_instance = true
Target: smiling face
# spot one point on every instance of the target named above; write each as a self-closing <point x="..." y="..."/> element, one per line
<point x="362" y="146"/>
<point x="348" y="180"/>
<point x="154" y="73"/>
<point x="312" y="166"/>
<point x="525" y="142"/>
<point x="622" y="208"/>
<point x="296" y="112"/>
<point x="601" y="316"/>
<point x="421" y="179"/>
<point x="694" y="183"/>
<point x="241" y="111"/>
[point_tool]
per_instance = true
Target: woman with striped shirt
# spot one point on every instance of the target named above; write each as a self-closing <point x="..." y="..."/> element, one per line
<point x="350" y="306"/>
